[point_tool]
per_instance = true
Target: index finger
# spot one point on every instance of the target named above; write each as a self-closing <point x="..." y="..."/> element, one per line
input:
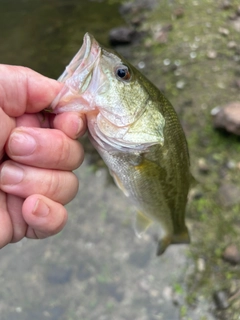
<point x="23" y="90"/>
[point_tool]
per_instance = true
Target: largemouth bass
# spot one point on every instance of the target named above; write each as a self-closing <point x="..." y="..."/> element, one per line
<point x="137" y="133"/>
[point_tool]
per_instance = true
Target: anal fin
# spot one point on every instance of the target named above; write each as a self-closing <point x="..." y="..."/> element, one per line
<point x="141" y="223"/>
<point x="163" y="243"/>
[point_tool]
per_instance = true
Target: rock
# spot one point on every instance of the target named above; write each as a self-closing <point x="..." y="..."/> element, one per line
<point x="122" y="35"/>
<point x="231" y="164"/>
<point x="227" y="117"/>
<point x="236" y="24"/>
<point x="238" y="11"/>
<point x="180" y="84"/>
<point x="223" y="31"/>
<point x="162" y="36"/>
<point x="126" y="8"/>
<point x="194" y="194"/>
<point x="136" y="21"/>
<point x="231" y="254"/>
<point x="228" y="194"/>
<point x="178" y="13"/>
<point x="167" y="293"/>
<point x="133" y="7"/>
<point x="203" y="166"/>
<point x="212" y="54"/>
<point x="232" y="45"/>
<point x="221" y="299"/>
<point x="161" y="33"/>
<point x="238" y="83"/>
<point x="226" y="4"/>
<point x="201" y="265"/>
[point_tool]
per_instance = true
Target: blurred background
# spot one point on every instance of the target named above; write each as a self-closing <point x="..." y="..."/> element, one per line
<point x="96" y="268"/>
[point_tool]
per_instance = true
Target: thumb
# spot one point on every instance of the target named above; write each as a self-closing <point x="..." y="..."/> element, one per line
<point x="43" y="216"/>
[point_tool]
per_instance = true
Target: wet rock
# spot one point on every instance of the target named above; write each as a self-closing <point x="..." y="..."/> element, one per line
<point x="136" y="21"/>
<point x="232" y="45"/>
<point x="178" y="13"/>
<point x="126" y="8"/>
<point x="161" y="33"/>
<point x="227" y="117"/>
<point x="212" y="54"/>
<point x="133" y="7"/>
<point x="180" y="84"/>
<point x="238" y="11"/>
<point x="223" y="31"/>
<point x="162" y="36"/>
<point x="201" y="265"/>
<point x="228" y="194"/>
<point x="122" y="35"/>
<point x="167" y="293"/>
<point x="195" y="194"/>
<point x="231" y="254"/>
<point x="236" y="24"/>
<point x="238" y="83"/>
<point x="231" y="164"/>
<point x="226" y="5"/>
<point x="203" y="166"/>
<point x="221" y="299"/>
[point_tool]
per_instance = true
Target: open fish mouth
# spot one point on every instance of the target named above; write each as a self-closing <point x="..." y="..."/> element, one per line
<point x="83" y="59"/>
<point x="77" y="76"/>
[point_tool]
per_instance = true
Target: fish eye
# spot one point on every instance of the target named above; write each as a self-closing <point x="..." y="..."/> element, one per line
<point x="123" y="73"/>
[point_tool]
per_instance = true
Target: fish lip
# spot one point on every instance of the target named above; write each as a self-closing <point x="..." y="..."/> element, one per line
<point x="80" y="57"/>
<point x="76" y="74"/>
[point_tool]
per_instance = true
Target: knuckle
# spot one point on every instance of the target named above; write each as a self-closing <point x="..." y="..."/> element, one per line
<point x="53" y="185"/>
<point x="63" y="152"/>
<point x="69" y="154"/>
<point x="61" y="186"/>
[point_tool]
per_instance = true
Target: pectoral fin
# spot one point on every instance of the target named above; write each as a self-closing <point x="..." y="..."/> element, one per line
<point x="141" y="223"/>
<point x="119" y="183"/>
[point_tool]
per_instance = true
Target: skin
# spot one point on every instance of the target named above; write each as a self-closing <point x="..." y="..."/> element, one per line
<point x="28" y="207"/>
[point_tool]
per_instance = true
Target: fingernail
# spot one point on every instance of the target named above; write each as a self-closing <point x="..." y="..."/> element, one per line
<point x="80" y="126"/>
<point x="40" y="209"/>
<point x="21" y="144"/>
<point x="11" y="174"/>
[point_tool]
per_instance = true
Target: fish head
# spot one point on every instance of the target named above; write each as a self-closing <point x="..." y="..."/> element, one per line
<point x="112" y="93"/>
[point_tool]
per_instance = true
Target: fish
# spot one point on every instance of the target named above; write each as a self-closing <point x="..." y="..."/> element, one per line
<point x="136" y="131"/>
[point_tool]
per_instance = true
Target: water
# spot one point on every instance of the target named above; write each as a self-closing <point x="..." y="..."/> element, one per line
<point x="45" y="34"/>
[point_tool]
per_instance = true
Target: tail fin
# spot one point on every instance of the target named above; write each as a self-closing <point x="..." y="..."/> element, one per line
<point x="178" y="238"/>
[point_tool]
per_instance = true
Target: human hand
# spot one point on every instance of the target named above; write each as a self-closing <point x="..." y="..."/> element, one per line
<point x="35" y="161"/>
